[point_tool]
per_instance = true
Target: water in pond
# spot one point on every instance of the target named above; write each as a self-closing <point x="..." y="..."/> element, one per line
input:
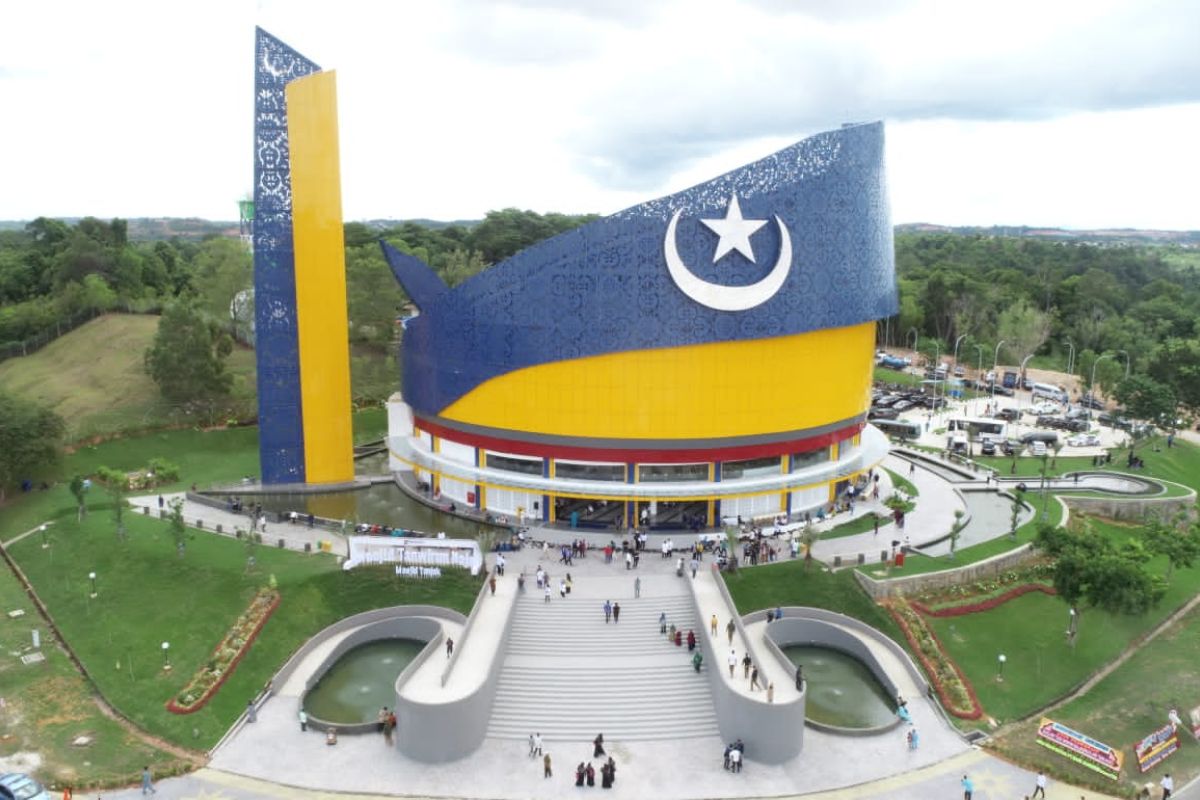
<point x="841" y="690"/>
<point x="381" y="504"/>
<point x="361" y="682"/>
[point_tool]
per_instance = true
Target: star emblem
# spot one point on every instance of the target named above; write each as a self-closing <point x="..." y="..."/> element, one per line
<point x="734" y="231"/>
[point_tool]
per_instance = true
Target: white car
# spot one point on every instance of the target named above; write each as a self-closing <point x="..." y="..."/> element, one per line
<point x="1084" y="440"/>
<point x="1041" y="409"/>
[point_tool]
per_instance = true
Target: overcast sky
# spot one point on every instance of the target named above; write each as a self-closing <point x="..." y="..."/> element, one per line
<point x="1078" y="114"/>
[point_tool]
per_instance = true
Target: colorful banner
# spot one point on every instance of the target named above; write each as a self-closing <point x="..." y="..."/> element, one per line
<point x="1155" y="748"/>
<point x="1083" y="750"/>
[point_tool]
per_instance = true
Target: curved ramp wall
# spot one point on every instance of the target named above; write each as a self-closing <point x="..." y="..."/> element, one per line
<point x="773" y="732"/>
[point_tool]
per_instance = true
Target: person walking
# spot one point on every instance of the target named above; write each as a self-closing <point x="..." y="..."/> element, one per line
<point x="729" y="629"/>
<point x="968" y="787"/>
<point x="607" y="611"/>
<point x="637" y="587"/>
<point x="712" y="625"/>
<point x="251" y="711"/>
<point x="546" y="771"/>
<point x="732" y="662"/>
<point x="1040" y="788"/>
<point x="1168" y="786"/>
<point x="695" y="566"/>
<point x="598" y="746"/>
<point x="662" y="622"/>
<point x="746" y="662"/>
<point x="616" y="613"/>
<point x="492" y="584"/>
<point x="537" y="745"/>
<point x="547" y="595"/>
<point x="449" y="647"/>
<point x="754" y="679"/>
<point x="147" y="785"/>
<point x="303" y="720"/>
<point x="770" y="693"/>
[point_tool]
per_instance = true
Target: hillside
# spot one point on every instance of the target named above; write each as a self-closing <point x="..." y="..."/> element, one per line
<point x="93" y="377"/>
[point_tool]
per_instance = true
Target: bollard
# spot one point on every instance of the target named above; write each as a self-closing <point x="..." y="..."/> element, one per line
<point x="837" y="561"/>
<point x="146" y="510"/>
<point x="200" y="524"/>
<point x="862" y="558"/>
<point x="308" y="547"/>
<point x="281" y="544"/>
<point x="883" y="555"/>
<point x="220" y="529"/>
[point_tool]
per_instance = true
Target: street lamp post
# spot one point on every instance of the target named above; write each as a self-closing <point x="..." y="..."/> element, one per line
<point x="916" y="338"/>
<point x="978" y="372"/>
<point x="995" y="369"/>
<point x="92" y="578"/>
<point x="1000" y="659"/>
<point x="1025" y="361"/>
<point x="1092" y="382"/>
<point x="1070" y="357"/>
<point x="1126" y="354"/>
<point x="166" y="647"/>
<point x="45" y="541"/>
<point x="937" y="356"/>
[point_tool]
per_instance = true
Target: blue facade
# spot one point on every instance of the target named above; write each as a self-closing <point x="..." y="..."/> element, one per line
<point x="280" y="423"/>
<point x="606" y="287"/>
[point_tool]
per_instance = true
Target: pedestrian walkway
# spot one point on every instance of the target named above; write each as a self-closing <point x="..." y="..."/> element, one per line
<point x="294" y="536"/>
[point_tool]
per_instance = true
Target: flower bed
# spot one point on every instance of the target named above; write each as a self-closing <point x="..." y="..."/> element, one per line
<point x="229" y="652"/>
<point x="983" y="605"/>
<point x="955" y="691"/>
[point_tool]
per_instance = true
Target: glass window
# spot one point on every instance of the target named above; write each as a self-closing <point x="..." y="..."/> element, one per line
<point x="589" y="472"/>
<point x="802" y="460"/>
<point x="751" y="468"/>
<point x="509" y="464"/>
<point x="661" y="473"/>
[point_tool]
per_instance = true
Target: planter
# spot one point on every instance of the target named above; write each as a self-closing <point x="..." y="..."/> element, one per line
<point x="983" y="605"/>
<point x="212" y="674"/>
<point x="952" y="687"/>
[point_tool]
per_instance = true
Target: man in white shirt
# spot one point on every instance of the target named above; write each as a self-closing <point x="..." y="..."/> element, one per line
<point x="732" y="661"/>
<point x="1040" y="791"/>
<point x="1167" y="785"/>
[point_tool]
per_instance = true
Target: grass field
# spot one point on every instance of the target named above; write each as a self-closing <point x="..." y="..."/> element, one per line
<point x="147" y="595"/>
<point x="49" y="705"/>
<point x="1125" y="706"/>
<point x="94" y="378"/>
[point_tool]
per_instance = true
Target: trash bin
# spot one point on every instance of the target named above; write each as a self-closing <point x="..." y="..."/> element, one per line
<point x="900" y="559"/>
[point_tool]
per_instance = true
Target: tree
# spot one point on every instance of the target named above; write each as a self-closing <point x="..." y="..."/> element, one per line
<point x="1015" y="518"/>
<point x="1146" y="398"/>
<point x="1023" y="328"/>
<point x="187" y="357"/>
<point x="30" y="438"/>
<point x="116" y="483"/>
<point x="177" y="528"/>
<point x="1176" y="363"/>
<point x="1179" y="542"/>
<point x="79" y="487"/>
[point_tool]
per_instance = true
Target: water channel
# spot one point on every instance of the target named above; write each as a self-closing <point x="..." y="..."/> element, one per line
<point x="842" y="691"/>
<point x="361" y="682"/>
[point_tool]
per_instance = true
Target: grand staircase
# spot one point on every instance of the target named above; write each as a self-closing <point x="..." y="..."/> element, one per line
<point x="570" y="676"/>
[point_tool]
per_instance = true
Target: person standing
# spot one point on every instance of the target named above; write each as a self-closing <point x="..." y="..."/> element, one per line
<point x="1168" y="786"/>
<point x="492" y="584"/>
<point x="754" y="679"/>
<point x="616" y="613"/>
<point x="303" y="720"/>
<point x="547" y="595"/>
<point x="546" y="771"/>
<point x="147" y="786"/>
<point x="449" y="647"/>
<point x="732" y="662"/>
<point x="537" y="745"/>
<point x="770" y="693"/>
<point x="968" y="787"/>
<point x="1040" y="788"/>
<point x="746" y="662"/>
<point x="712" y="625"/>
<point x="598" y="746"/>
<point x="607" y="611"/>
<point x="251" y="712"/>
<point x="637" y="587"/>
<point x="662" y="622"/>
<point x="729" y="629"/>
<point x="695" y="566"/>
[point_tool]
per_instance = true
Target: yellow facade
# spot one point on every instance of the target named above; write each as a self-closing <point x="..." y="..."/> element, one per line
<point x="320" y="278"/>
<point x="720" y="389"/>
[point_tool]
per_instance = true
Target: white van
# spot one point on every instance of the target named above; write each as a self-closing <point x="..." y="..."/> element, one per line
<point x="1037" y="448"/>
<point x="1049" y="391"/>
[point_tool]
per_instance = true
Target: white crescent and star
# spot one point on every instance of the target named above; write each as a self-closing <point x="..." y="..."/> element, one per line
<point x="734" y="233"/>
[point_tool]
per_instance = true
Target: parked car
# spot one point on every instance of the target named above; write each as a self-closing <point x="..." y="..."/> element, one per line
<point x="1091" y="401"/>
<point x="1084" y="440"/>
<point x="1037" y="448"/>
<point x="1043" y="408"/>
<point x="1009" y="447"/>
<point x="1047" y="437"/>
<point x="1009" y="414"/>
<point x="959" y="371"/>
<point x="23" y="787"/>
<point x="882" y="413"/>
<point x="988" y="448"/>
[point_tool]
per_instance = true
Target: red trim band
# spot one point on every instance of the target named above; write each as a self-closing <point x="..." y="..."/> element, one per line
<point x="640" y="455"/>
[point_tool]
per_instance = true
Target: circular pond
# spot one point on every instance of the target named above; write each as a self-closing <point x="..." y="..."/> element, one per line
<point x="842" y="691"/>
<point x="361" y="682"/>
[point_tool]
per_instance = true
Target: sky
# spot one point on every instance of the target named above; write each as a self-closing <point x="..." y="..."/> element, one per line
<point x="1073" y="113"/>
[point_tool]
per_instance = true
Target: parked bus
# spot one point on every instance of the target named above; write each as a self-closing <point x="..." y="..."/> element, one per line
<point x="977" y="428"/>
<point x="899" y="428"/>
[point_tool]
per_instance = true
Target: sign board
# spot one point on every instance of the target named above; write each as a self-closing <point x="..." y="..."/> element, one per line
<point x="1154" y="749"/>
<point x="1081" y="749"/>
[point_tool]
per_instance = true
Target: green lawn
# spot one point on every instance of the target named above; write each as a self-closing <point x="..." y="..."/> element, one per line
<point x="856" y="526"/>
<point x="788" y="583"/>
<point x="902" y="483"/>
<point x="95" y="379"/>
<point x="1030" y="631"/>
<point x="147" y="595"/>
<point x="1180" y="463"/>
<point x="1125" y="706"/>
<point x="50" y="704"/>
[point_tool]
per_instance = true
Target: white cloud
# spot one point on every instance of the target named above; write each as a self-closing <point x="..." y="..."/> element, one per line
<point x="1015" y="112"/>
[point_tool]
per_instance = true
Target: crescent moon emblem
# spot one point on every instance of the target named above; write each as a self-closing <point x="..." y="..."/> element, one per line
<point x="719" y="296"/>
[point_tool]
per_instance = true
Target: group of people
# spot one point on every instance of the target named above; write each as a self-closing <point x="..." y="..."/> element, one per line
<point x="386" y="723"/>
<point x="734" y="755"/>
<point x="585" y="773"/>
